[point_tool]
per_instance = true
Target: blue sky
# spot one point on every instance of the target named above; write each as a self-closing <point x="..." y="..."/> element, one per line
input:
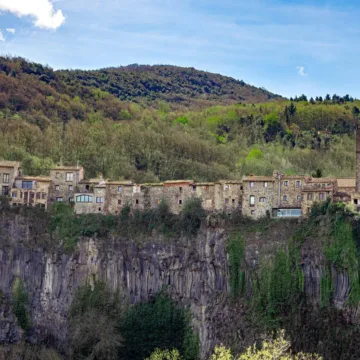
<point x="289" y="47"/>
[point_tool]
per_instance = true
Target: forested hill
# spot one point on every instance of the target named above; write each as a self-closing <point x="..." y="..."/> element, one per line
<point x="48" y="116"/>
<point x="172" y="84"/>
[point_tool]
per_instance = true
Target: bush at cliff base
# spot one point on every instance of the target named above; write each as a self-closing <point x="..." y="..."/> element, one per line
<point x="279" y="349"/>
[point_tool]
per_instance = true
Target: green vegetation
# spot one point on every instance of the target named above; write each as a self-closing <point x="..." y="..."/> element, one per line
<point x="158" y="324"/>
<point x="236" y="251"/>
<point x="102" y="328"/>
<point x="278" y="348"/>
<point x="91" y="116"/>
<point x="94" y="324"/>
<point x="67" y="227"/>
<point x="20" y="304"/>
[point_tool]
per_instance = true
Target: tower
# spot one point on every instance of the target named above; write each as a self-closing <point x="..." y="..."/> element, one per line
<point x="358" y="157"/>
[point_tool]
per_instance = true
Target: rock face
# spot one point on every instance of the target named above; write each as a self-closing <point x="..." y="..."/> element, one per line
<point x="195" y="271"/>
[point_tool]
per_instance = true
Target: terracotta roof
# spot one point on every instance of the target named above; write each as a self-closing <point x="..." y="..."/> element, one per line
<point x="238" y="181"/>
<point x="258" y="178"/>
<point x="346" y="182"/>
<point x="4" y="163"/>
<point x="152" y="184"/>
<point x="120" y="182"/>
<point x="70" y="167"/>
<point x="34" y="178"/>
<point x="321" y="180"/>
<point x="91" y="181"/>
<point x="178" y="181"/>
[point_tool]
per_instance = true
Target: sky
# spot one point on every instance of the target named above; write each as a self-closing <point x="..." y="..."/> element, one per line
<point x="289" y="47"/>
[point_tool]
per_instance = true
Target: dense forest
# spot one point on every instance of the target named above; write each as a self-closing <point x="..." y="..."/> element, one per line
<point x="151" y="123"/>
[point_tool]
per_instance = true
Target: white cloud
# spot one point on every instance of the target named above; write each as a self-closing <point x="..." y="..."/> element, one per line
<point x="43" y="12"/>
<point x="11" y="30"/>
<point x="1" y="36"/>
<point x="301" y="71"/>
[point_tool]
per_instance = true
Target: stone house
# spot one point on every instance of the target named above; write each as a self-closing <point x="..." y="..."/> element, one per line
<point x="228" y="195"/>
<point x="287" y="192"/>
<point x="176" y="192"/>
<point x="258" y="196"/>
<point x="316" y="190"/>
<point x="31" y="191"/>
<point x="91" y="202"/>
<point x="65" y="183"/>
<point x="9" y="170"/>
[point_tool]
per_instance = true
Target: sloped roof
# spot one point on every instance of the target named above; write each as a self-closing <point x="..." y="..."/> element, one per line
<point x="258" y="178"/>
<point x="346" y="182"/>
<point x="34" y="178"/>
<point x="4" y="163"/>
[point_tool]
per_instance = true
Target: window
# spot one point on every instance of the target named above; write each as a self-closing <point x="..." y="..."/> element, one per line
<point x="252" y="200"/>
<point x="321" y="196"/>
<point x="99" y="200"/>
<point x="233" y="201"/>
<point x="285" y="197"/>
<point x="180" y="202"/>
<point x="59" y="199"/>
<point x="32" y="195"/>
<point x="84" y="199"/>
<point x="323" y="186"/>
<point x="252" y="184"/>
<point x="69" y="176"/>
<point x="298" y="183"/>
<point x="252" y="212"/>
<point x="43" y="196"/>
<point x="71" y="188"/>
<point x="265" y="184"/>
<point x="137" y="201"/>
<point x="119" y="202"/>
<point x="299" y="197"/>
<point x="226" y="201"/>
<point x="71" y="199"/>
<point x="57" y="187"/>
<point x="286" y="183"/>
<point x="194" y="188"/>
<point x="355" y="201"/>
<point x="180" y="189"/>
<point x="6" y="178"/>
<point x="5" y="190"/>
<point x="14" y="194"/>
<point x="27" y="184"/>
<point x="310" y="196"/>
<point x="38" y="195"/>
<point x="262" y="200"/>
<point x="289" y="213"/>
<point x="120" y="188"/>
<point x="87" y="187"/>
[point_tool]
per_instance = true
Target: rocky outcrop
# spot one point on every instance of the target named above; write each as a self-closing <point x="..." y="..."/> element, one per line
<point x="194" y="270"/>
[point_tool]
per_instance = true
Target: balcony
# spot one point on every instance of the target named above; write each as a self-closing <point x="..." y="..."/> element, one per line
<point x="318" y="187"/>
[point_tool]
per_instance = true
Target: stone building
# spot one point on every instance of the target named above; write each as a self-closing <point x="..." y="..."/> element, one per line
<point x="258" y="196"/>
<point x="287" y="193"/>
<point x="228" y="195"/>
<point x="316" y="190"/>
<point x="31" y="191"/>
<point x="91" y="202"/>
<point x="9" y="170"/>
<point x="65" y="183"/>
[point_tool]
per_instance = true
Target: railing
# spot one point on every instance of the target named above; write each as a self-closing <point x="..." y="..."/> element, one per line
<point x="317" y="187"/>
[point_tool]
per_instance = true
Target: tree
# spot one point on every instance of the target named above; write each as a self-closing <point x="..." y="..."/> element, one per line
<point x="355" y="111"/>
<point x="279" y="349"/>
<point x="272" y="126"/>
<point x="165" y="355"/>
<point x="327" y="97"/>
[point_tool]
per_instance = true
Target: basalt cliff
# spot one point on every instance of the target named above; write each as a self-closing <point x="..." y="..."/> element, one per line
<point x="195" y="271"/>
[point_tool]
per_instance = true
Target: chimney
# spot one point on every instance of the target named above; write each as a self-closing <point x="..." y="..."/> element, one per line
<point x="357" y="157"/>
